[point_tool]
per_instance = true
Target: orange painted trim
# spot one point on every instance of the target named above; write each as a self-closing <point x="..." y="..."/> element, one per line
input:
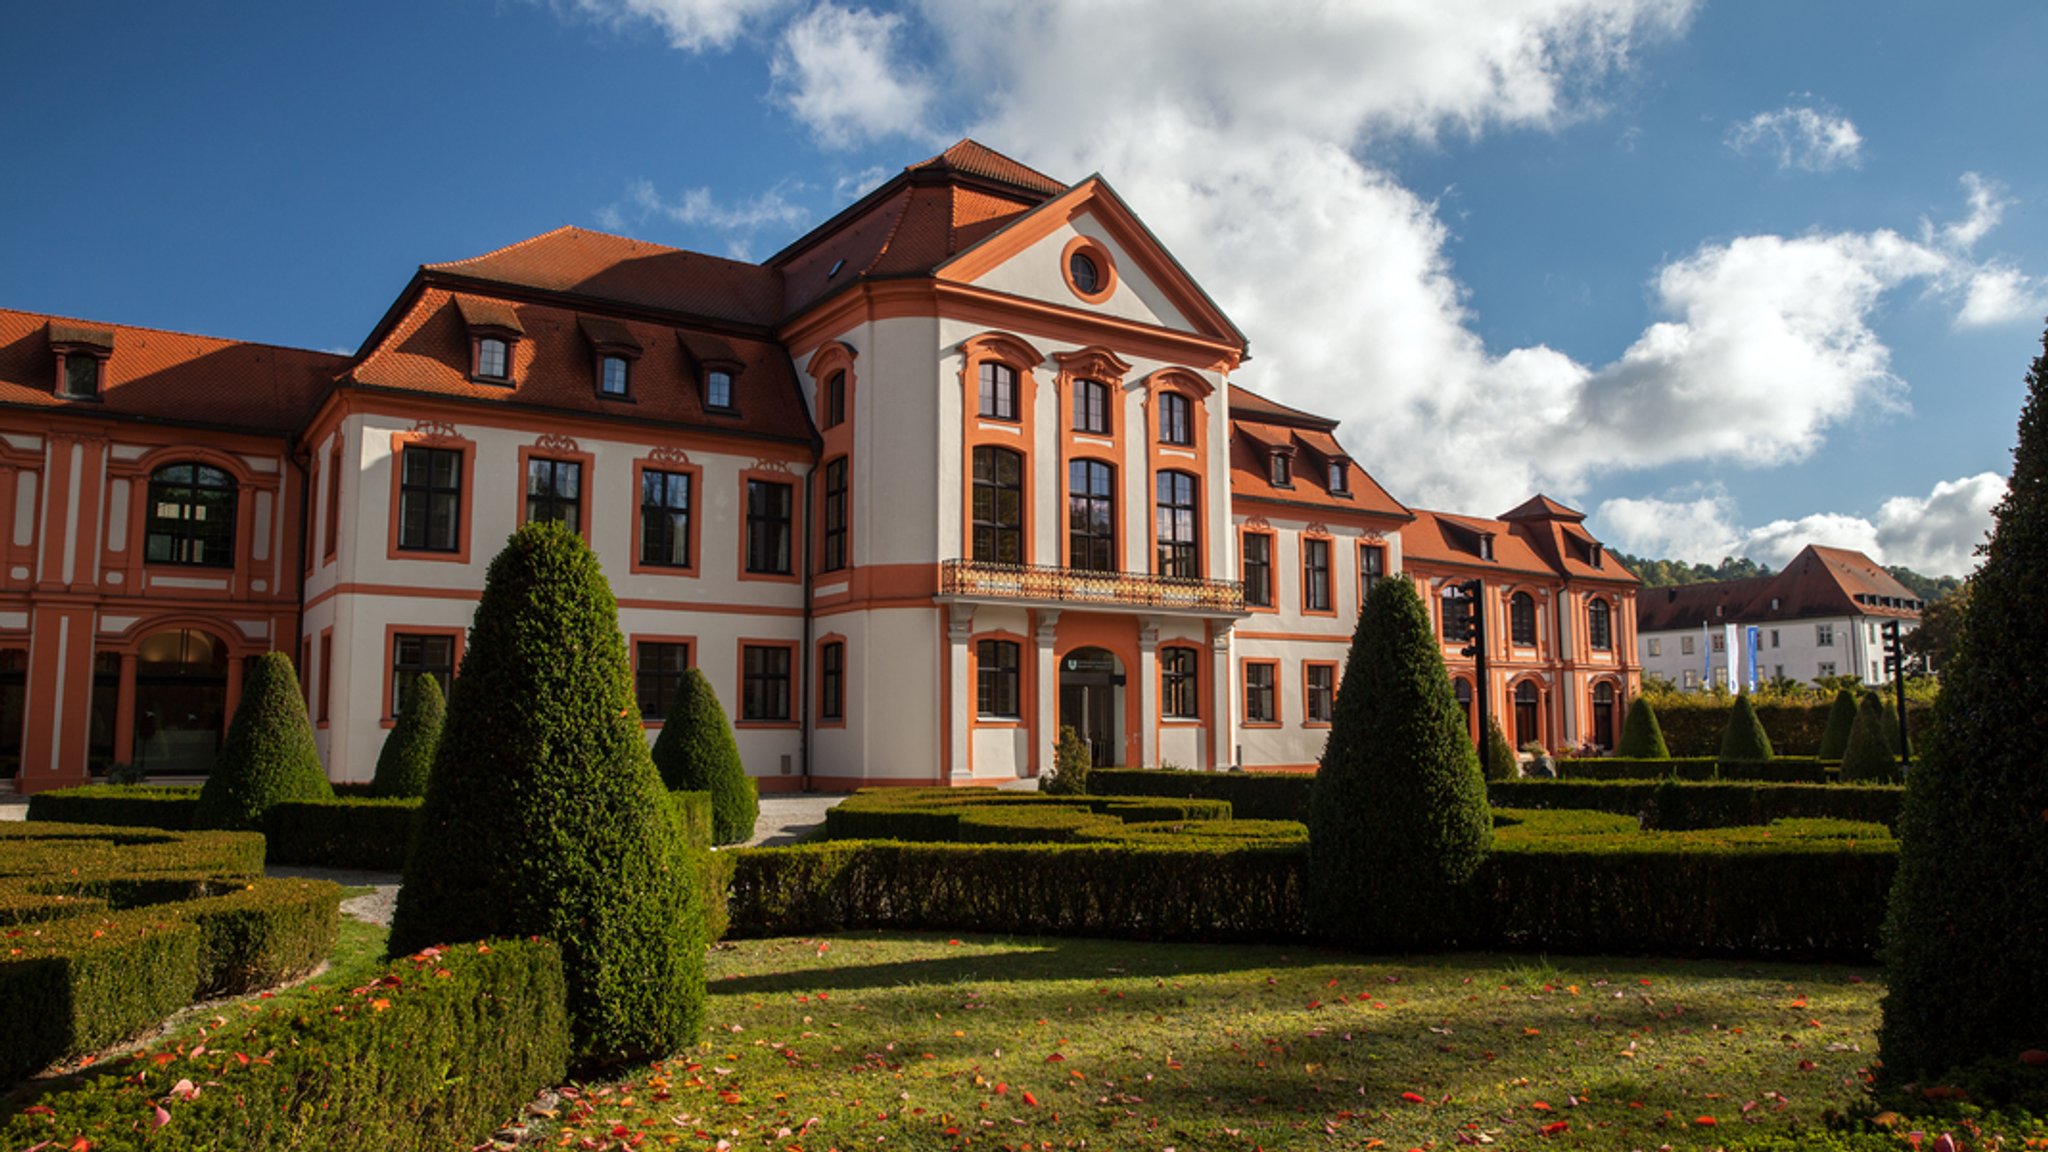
<point x="797" y="551"/>
<point x="1105" y="269"/>
<point x="552" y="446"/>
<point x="1098" y="363"/>
<point x="386" y="717"/>
<point x="633" y="642"/>
<point x="818" y="476"/>
<point x="1272" y="585"/>
<point x="1027" y="682"/>
<point x="671" y="460"/>
<point x="423" y="593"/>
<point x="820" y="720"/>
<point x="1360" y="548"/>
<point x="1329" y="573"/>
<point x="978" y="431"/>
<point x="1306" y="665"/>
<point x="740" y="647"/>
<point x="447" y="440"/>
<point x="1117" y="635"/>
<point x="1244" y="684"/>
<point x="1201" y="683"/>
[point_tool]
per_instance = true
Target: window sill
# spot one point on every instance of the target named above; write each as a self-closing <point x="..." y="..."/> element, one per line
<point x="789" y="725"/>
<point x="999" y="722"/>
<point x="494" y="381"/>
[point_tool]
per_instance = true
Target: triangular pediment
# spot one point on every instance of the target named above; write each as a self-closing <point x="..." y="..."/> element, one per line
<point x="1140" y="280"/>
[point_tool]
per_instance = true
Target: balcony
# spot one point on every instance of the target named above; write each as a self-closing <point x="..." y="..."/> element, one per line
<point x="1080" y="588"/>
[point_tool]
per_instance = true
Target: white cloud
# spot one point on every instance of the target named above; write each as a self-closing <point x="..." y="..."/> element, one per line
<point x="1935" y="535"/>
<point x="692" y="25"/>
<point x="839" y="72"/>
<point x="2002" y="294"/>
<point x="734" y="223"/>
<point x="1801" y="138"/>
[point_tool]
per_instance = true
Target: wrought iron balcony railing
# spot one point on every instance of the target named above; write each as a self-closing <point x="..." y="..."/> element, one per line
<point x="975" y="578"/>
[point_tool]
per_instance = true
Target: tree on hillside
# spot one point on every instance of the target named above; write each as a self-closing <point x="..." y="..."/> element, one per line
<point x="408" y="754"/>
<point x="268" y="757"/>
<point x="1967" y="975"/>
<point x="544" y="815"/>
<point x="1398" y="820"/>
<point x="1933" y="644"/>
<point x="1642" y="738"/>
<point x="696" y="752"/>
<point x="1841" y="719"/>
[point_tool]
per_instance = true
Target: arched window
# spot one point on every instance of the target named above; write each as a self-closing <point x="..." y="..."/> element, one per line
<point x="191" y="516"/>
<point x="998" y="506"/>
<point x="1600" y="626"/>
<point x="1603" y="715"/>
<point x="1528" y="717"/>
<point x="1091" y="516"/>
<point x="834" y="404"/>
<point x="1175" y="526"/>
<point x="1522" y="620"/>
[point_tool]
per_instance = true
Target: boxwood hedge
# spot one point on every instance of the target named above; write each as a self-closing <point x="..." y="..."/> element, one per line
<point x="959" y="816"/>
<point x="1679" y="805"/>
<point x="133" y="805"/>
<point x="1251" y="795"/>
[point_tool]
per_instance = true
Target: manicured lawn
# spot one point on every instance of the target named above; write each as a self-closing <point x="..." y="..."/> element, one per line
<point x="924" y="1042"/>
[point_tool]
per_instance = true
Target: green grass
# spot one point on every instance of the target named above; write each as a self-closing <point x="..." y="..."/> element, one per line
<point x="924" y="1042"/>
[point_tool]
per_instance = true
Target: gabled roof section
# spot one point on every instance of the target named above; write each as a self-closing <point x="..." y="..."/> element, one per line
<point x="1819" y="582"/>
<point x="1544" y="546"/>
<point x="1253" y="437"/>
<point x="600" y="266"/>
<point x="1541" y="507"/>
<point x="1095" y="197"/>
<point x="1252" y="406"/>
<point x="166" y="377"/>
<point x="977" y="159"/>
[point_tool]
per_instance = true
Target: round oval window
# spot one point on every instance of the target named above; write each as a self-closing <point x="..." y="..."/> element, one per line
<point x="1086" y="276"/>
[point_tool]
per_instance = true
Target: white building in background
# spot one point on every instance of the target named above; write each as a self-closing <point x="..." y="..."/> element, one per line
<point x="1822" y="616"/>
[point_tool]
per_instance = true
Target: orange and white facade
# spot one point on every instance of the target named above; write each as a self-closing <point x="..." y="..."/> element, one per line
<point x="960" y="466"/>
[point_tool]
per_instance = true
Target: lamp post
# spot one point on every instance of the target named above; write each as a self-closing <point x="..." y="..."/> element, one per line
<point x="1895" y="663"/>
<point x="1465" y="620"/>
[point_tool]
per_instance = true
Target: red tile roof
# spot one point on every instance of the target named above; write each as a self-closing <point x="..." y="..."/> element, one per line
<point x="554" y="366"/>
<point x="1819" y="582"/>
<point x="1253" y="437"/>
<point x="980" y="160"/>
<point x="170" y="377"/>
<point x="1534" y="547"/>
<point x="600" y="266"/>
<point x="1247" y="403"/>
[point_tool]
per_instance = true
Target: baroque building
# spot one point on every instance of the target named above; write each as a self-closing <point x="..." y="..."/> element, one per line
<point x="961" y="465"/>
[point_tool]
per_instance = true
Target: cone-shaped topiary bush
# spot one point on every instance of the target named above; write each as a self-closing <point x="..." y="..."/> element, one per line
<point x="268" y="757"/>
<point x="696" y="753"/>
<point x="1868" y="758"/>
<point x="1966" y="973"/>
<point x="1744" y="738"/>
<point x="1841" y="718"/>
<point x="544" y="815"/>
<point x="1642" y="738"/>
<point x="1071" y="761"/>
<point x="1501" y="761"/>
<point x="408" y="754"/>
<point x="1398" y="820"/>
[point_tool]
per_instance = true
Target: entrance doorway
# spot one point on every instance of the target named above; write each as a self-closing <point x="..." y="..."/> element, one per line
<point x="1092" y="702"/>
<point x="181" y="701"/>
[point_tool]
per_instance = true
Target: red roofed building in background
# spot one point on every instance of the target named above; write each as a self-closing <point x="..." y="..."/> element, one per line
<point x="960" y="466"/>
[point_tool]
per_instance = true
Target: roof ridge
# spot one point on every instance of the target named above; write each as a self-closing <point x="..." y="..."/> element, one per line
<point x="504" y="248"/>
<point x="175" y="332"/>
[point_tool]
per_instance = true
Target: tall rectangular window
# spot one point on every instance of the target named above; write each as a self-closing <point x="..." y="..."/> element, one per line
<point x="665" y="519"/>
<point x="1319" y="692"/>
<point x="612" y="375"/>
<point x="998" y="506"/>
<point x="1315" y="574"/>
<point x="764" y="683"/>
<point x="1091" y="407"/>
<point x="833" y="406"/>
<point x="1178" y="697"/>
<point x="493" y="358"/>
<point x="997" y="680"/>
<point x="658" y="672"/>
<point x="1174" y="526"/>
<point x="332" y="541"/>
<point x="554" y="492"/>
<point x="1656" y="647"/>
<point x="998" y="391"/>
<point x="1372" y="568"/>
<point x="1258" y="569"/>
<point x="1259" y="705"/>
<point x="1176" y="422"/>
<point x="833" y="556"/>
<point x="414" y="655"/>
<point x="326" y="677"/>
<point x="1091" y="516"/>
<point x="1824" y="635"/>
<point x="430" y="499"/>
<point x="832" y="681"/>
<point x="718" y="390"/>
<point x="769" y="507"/>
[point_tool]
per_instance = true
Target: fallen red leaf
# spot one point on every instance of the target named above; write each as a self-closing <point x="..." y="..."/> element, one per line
<point x="1555" y="1127"/>
<point x="1413" y="1097"/>
<point x="1031" y="1100"/>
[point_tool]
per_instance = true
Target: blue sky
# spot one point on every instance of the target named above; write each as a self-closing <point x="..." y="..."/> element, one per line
<point x="1729" y="277"/>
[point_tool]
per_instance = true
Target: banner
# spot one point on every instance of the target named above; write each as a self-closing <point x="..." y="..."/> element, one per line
<point x="1749" y="650"/>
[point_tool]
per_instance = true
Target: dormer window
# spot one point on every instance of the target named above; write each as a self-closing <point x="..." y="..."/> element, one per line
<point x="81" y="356"/>
<point x="1486" y="545"/>
<point x="1280" y="466"/>
<point x="612" y="375"/>
<point x="81" y="375"/>
<point x="492" y="357"/>
<point x="1340" y="473"/>
<point x="1598" y="550"/>
<point x="493" y="330"/>
<point x="718" y="389"/>
<point x="613" y="348"/>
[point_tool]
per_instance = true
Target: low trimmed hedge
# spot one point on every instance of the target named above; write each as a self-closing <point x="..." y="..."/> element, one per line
<point x="1567" y="880"/>
<point x="1679" y="805"/>
<point x="1692" y="722"/>
<point x="107" y="930"/>
<point x="354" y="833"/>
<point x="435" y="1053"/>
<point x="954" y="815"/>
<point x="1251" y="795"/>
<point x="1784" y="770"/>
<point x="693" y="817"/>
<point x="124" y="805"/>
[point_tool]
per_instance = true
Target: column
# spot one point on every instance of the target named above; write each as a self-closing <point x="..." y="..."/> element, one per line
<point x="1148" y="691"/>
<point x="1223" y="697"/>
<point x="1045" y="730"/>
<point x="54" y="720"/>
<point x="959" y="628"/>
